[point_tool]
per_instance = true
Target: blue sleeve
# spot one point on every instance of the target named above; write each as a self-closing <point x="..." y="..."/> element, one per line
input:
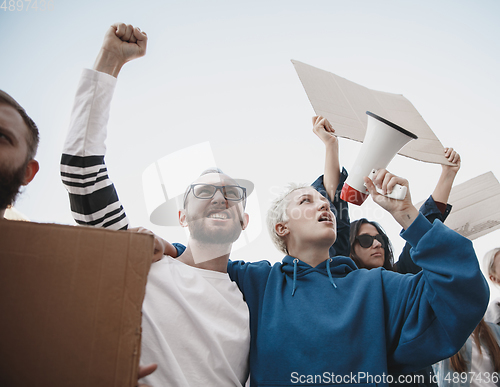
<point x="251" y="278"/>
<point x="431" y="212"/>
<point x="236" y="271"/>
<point x="431" y="314"/>
<point x="341" y="210"/>
<point x="180" y="248"/>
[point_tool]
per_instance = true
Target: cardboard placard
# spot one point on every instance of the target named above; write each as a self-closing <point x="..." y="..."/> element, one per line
<point x="476" y="206"/>
<point x="344" y="104"/>
<point x="70" y="304"/>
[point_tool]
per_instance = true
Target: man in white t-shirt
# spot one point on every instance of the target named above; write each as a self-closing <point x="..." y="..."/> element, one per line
<point x="195" y="322"/>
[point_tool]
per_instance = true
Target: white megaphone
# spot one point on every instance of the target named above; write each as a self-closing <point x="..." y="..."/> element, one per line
<point x="383" y="139"/>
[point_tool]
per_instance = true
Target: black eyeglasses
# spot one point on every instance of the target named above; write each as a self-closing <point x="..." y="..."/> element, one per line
<point x="207" y="191"/>
<point x="366" y="240"/>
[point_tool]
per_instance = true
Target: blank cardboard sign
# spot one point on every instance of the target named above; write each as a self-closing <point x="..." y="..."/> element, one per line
<point x="344" y="104"/>
<point x="476" y="206"/>
<point x="70" y="304"/>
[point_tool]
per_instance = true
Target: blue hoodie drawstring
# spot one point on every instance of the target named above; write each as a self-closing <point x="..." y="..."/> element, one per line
<point x="295" y="261"/>
<point x="294" y="275"/>
<point x="329" y="274"/>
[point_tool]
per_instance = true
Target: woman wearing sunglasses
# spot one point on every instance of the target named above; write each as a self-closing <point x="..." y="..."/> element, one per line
<point x="370" y="246"/>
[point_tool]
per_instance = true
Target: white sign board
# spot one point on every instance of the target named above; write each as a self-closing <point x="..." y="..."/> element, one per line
<point x="476" y="206"/>
<point x="344" y="104"/>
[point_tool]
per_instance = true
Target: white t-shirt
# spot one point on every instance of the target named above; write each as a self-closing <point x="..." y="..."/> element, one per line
<point x="195" y="326"/>
<point x="195" y="323"/>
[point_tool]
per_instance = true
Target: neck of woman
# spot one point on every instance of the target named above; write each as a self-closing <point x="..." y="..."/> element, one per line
<point x="313" y="254"/>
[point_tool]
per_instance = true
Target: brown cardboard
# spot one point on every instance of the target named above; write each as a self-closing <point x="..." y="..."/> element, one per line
<point x="70" y="304"/>
<point x="476" y="206"/>
<point x="344" y="104"/>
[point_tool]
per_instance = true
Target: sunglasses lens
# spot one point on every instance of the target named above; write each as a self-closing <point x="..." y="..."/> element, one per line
<point x="365" y="241"/>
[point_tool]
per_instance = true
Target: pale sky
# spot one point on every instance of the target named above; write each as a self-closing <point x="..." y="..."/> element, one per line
<point x="220" y="71"/>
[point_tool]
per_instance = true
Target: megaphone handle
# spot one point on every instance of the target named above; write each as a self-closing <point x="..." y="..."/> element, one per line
<point x="398" y="192"/>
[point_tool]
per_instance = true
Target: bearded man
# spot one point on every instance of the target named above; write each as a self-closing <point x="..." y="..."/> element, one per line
<point x="195" y="322"/>
<point x="19" y="140"/>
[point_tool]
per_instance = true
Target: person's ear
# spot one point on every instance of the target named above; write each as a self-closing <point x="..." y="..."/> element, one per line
<point x="183" y="218"/>
<point x="281" y="229"/>
<point x="244" y="221"/>
<point x="30" y="171"/>
<point x="494" y="279"/>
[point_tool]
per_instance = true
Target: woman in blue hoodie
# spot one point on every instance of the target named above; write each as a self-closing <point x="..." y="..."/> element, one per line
<point x="371" y="248"/>
<point x="317" y="320"/>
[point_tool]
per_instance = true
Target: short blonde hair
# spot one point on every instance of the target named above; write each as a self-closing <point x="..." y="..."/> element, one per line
<point x="277" y="214"/>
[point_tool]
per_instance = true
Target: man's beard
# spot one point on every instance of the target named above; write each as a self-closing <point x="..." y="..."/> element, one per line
<point x="10" y="184"/>
<point x="214" y="235"/>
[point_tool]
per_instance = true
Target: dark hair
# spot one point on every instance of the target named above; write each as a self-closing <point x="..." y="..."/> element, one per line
<point x="388" y="255"/>
<point x="34" y="136"/>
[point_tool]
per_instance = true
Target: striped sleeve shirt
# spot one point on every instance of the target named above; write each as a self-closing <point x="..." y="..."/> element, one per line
<point x="93" y="197"/>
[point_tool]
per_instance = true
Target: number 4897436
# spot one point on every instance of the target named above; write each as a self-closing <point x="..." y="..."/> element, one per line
<point x="27" y="5"/>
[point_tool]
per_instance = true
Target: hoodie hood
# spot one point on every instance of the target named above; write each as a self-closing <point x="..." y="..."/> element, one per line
<point x="337" y="266"/>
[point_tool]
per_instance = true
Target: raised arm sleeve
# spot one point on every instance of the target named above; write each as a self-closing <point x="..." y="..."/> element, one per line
<point x="341" y="211"/>
<point x="431" y="314"/>
<point x="430" y="210"/>
<point x="93" y="197"/>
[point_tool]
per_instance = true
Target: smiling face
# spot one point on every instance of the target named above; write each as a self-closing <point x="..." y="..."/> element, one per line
<point x="215" y="220"/>
<point x="309" y="220"/>
<point x="373" y="256"/>
<point x="16" y="169"/>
